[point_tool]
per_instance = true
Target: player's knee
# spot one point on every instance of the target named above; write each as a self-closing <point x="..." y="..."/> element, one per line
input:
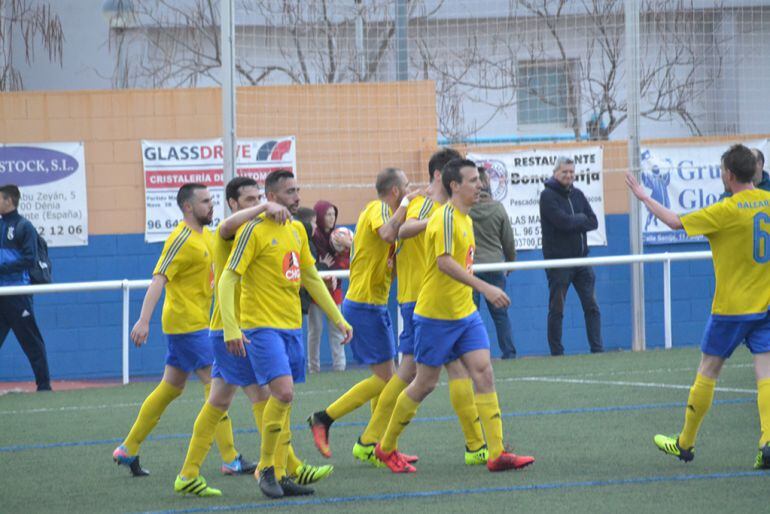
<point x="284" y="394"/>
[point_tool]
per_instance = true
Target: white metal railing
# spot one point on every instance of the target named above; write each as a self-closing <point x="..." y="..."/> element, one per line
<point x="127" y="285"/>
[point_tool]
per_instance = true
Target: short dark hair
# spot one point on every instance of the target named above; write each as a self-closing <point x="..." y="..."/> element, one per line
<point x="439" y="159"/>
<point x="386" y="180"/>
<point x="272" y="180"/>
<point x="305" y="214"/>
<point x="451" y="173"/>
<point x="186" y="193"/>
<point x="11" y="191"/>
<point x="233" y="188"/>
<point x="760" y="156"/>
<point x="741" y="162"/>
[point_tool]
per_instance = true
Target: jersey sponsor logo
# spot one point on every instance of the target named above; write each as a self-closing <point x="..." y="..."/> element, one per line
<point x="469" y="259"/>
<point x="291" y="266"/>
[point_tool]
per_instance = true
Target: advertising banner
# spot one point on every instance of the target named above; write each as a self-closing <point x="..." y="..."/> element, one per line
<point x="518" y="178"/>
<point x="52" y="181"/>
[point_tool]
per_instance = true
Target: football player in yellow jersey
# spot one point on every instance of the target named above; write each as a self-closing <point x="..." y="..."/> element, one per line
<point x="366" y="304"/>
<point x="448" y="325"/>
<point x="184" y="270"/>
<point x="271" y="261"/>
<point x="738" y="230"/>
<point x="410" y="261"/>
<point x="231" y="367"/>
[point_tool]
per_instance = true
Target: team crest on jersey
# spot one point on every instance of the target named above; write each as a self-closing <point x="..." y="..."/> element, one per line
<point x="469" y="259"/>
<point x="274" y="242"/>
<point x="291" y="266"/>
<point x="11" y="232"/>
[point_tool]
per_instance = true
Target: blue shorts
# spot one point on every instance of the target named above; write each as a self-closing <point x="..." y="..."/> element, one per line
<point x="373" y="340"/>
<point x="406" y="337"/>
<point x="439" y="341"/>
<point x="276" y="352"/>
<point x="722" y="336"/>
<point x="190" y="351"/>
<point x="233" y="369"/>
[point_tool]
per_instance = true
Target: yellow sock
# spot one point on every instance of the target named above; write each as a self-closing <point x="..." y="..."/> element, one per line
<point x="403" y="412"/>
<point x="149" y="415"/>
<point x="282" y="450"/>
<point x="464" y="404"/>
<point x="200" y="443"/>
<point x="292" y="462"/>
<point x="258" y="409"/>
<point x="384" y="408"/>
<point x="356" y="396"/>
<point x="698" y="404"/>
<point x="272" y="426"/>
<point x="489" y="413"/>
<point x="763" y="403"/>
<point x="373" y="403"/>
<point x="224" y="432"/>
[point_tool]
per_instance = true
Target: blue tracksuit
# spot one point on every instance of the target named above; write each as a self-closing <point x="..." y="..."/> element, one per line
<point x="18" y="252"/>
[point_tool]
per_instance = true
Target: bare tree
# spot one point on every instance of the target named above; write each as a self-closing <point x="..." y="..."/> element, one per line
<point x="30" y="25"/>
<point x="173" y="44"/>
<point x="542" y="37"/>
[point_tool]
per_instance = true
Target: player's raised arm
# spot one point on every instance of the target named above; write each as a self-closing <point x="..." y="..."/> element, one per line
<point x="667" y="216"/>
<point x="274" y="211"/>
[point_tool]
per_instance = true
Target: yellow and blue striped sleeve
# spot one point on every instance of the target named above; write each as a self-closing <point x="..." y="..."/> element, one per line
<point x="244" y="247"/>
<point x="444" y="235"/>
<point x="170" y="261"/>
<point x="379" y="214"/>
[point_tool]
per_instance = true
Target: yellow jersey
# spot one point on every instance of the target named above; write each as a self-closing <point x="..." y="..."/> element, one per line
<point x="410" y="256"/>
<point x="738" y="230"/>
<point x="449" y="232"/>
<point x="221" y="249"/>
<point x="371" y="258"/>
<point x="186" y="263"/>
<point x="269" y="258"/>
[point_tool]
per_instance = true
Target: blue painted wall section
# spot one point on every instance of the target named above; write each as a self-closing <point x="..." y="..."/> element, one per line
<point x="83" y="331"/>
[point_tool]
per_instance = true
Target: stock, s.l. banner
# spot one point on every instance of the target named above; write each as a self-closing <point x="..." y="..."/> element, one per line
<point x="52" y="180"/>
<point x="518" y="178"/>
<point x="168" y="165"/>
<point x="683" y="179"/>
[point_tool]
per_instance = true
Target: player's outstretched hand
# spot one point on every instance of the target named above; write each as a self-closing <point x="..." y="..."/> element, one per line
<point x="140" y="332"/>
<point x="346" y="329"/>
<point x="236" y="346"/>
<point x="497" y="297"/>
<point x="277" y="212"/>
<point x="634" y="186"/>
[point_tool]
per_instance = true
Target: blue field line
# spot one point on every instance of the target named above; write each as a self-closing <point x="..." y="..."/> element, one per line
<point x="437" y="419"/>
<point x="464" y="492"/>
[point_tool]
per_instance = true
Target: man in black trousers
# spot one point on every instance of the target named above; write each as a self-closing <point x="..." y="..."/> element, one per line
<point x="565" y="218"/>
<point x="18" y="253"/>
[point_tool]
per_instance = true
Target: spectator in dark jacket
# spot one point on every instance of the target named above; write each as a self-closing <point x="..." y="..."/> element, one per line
<point x="306" y="216"/>
<point x="565" y="218"/>
<point x="18" y="253"/>
<point x="494" y="243"/>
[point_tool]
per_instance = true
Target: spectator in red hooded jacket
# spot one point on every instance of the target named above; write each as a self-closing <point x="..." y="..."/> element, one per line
<point x="328" y="257"/>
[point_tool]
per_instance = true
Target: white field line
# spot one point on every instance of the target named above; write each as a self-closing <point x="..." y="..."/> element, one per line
<point x="572" y="379"/>
<point x="622" y="383"/>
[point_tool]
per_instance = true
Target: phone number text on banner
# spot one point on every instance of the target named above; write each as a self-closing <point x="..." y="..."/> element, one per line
<point x="168" y="165"/>
<point x="517" y="179"/>
<point x="52" y="180"/>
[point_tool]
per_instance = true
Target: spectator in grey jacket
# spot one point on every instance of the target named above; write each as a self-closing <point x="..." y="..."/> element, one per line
<point x="494" y="243"/>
